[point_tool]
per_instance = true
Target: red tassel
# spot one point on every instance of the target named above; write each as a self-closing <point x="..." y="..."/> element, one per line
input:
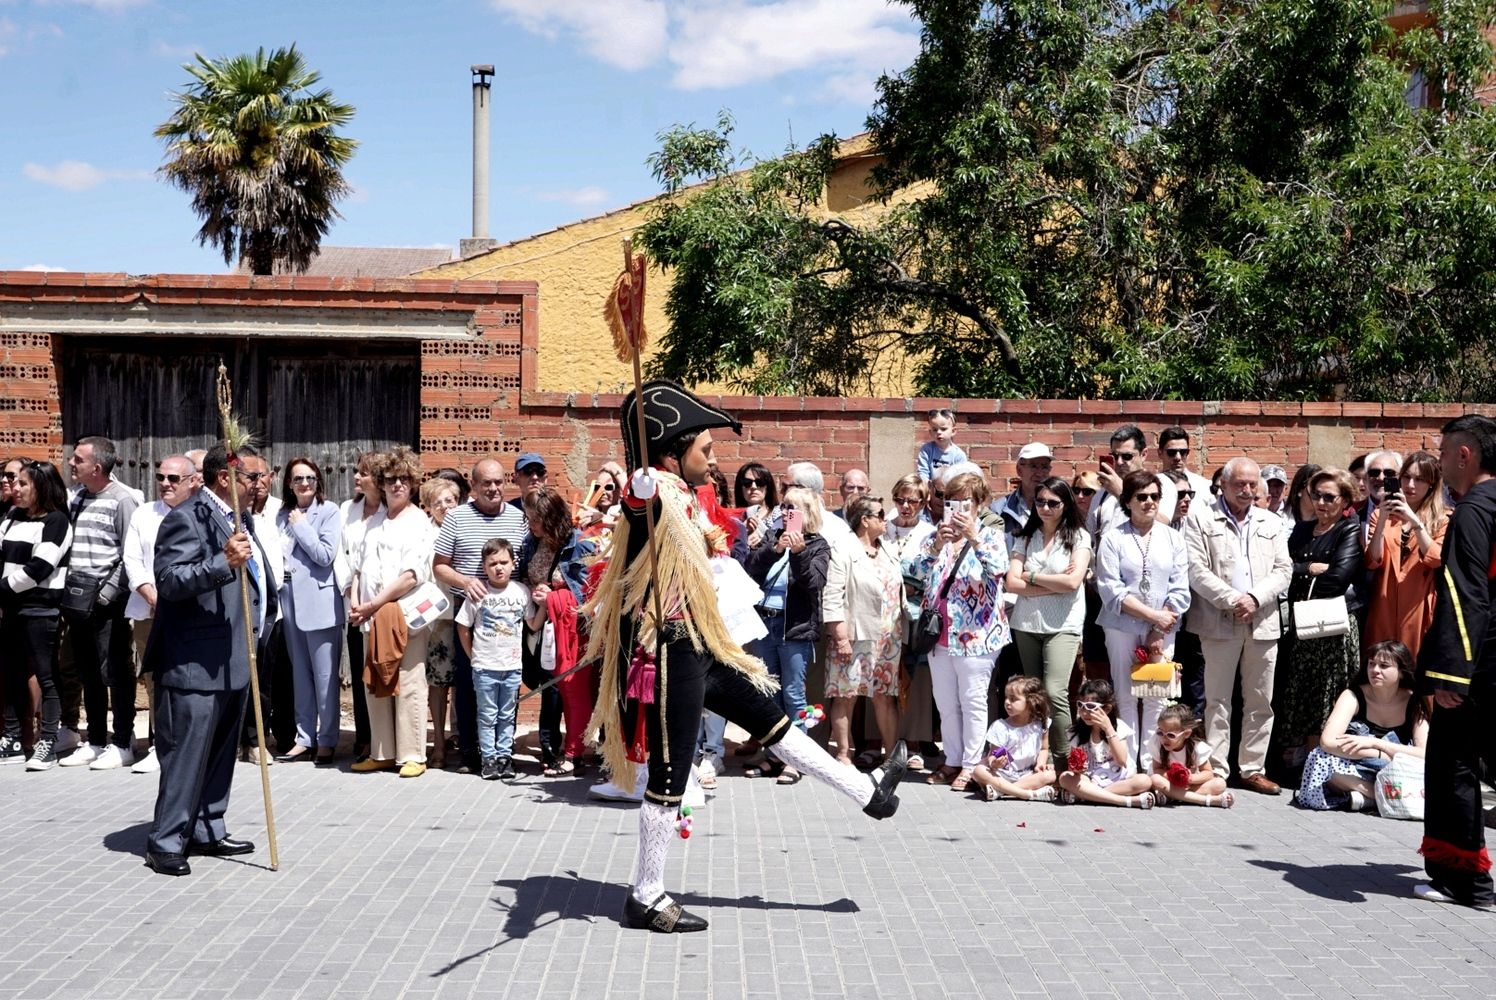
<point x="638" y="751"/>
<point x="1442" y="852"/>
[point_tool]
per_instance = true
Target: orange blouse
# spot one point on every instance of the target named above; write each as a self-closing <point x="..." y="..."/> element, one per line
<point x="1401" y="604"/>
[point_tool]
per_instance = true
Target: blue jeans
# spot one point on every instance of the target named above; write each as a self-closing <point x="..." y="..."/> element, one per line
<point x="786" y="661"/>
<point x="497" y="695"/>
<point x="710" y="738"/>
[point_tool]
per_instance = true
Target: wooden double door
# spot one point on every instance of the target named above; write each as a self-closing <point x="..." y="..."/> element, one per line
<point x="323" y="400"/>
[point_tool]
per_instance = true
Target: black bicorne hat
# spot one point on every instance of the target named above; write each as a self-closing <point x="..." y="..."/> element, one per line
<point x="669" y="412"/>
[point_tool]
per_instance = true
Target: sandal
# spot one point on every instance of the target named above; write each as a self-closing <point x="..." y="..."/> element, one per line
<point x="559" y="769"/>
<point x="789" y="776"/>
<point x="1223" y="801"/>
<point x="868" y="759"/>
<point x="989" y="793"/>
<point x="942" y="775"/>
<point x="962" y="779"/>
<point x="916" y="762"/>
<point x="764" y="769"/>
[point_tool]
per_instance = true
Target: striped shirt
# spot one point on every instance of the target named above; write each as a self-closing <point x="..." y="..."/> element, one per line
<point x="466" y="530"/>
<point x="33" y="560"/>
<point x="100" y="521"/>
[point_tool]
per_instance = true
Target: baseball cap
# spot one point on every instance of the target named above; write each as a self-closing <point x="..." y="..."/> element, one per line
<point x="1034" y="449"/>
<point x="529" y="458"/>
<point x="1271" y="472"/>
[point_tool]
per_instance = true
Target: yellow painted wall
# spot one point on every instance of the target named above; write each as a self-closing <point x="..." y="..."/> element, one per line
<point x="575" y="266"/>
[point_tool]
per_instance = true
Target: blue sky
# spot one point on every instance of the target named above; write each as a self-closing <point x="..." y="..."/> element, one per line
<point x="582" y="89"/>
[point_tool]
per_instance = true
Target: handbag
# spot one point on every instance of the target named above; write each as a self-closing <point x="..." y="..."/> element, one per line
<point x="424" y="605"/>
<point x="1156" y="680"/>
<point x="930" y="626"/>
<point x="1399" y="788"/>
<point x="80" y="595"/>
<point x="1320" y="619"/>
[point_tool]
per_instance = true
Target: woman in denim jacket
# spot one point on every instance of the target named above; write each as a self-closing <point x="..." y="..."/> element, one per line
<point x="976" y="626"/>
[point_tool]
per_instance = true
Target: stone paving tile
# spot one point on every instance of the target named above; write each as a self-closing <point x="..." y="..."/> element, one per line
<point x="449" y="887"/>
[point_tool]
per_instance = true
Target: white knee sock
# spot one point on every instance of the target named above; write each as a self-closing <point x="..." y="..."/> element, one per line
<point x="806" y="756"/>
<point x="656" y="828"/>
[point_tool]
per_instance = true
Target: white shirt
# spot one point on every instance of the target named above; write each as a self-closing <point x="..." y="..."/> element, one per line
<point x="1046" y="613"/>
<point x="1022" y="744"/>
<point x="393" y="545"/>
<point x="140" y="555"/>
<point x="498" y="624"/>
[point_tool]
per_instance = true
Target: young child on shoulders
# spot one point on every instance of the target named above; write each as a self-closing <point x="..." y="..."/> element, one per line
<point x="941" y="450"/>
<point x="1101" y="763"/>
<point x="1181" y="761"/>
<point x="1017" y="765"/>
<point x="491" y="631"/>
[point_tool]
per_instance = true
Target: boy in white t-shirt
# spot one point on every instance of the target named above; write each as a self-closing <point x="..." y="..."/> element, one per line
<point x="491" y="631"/>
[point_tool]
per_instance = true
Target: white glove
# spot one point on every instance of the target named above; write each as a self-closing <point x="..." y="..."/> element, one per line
<point x="642" y="484"/>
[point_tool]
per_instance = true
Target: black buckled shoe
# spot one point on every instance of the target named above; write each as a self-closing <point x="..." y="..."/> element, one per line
<point x="663" y="916"/>
<point x="166" y="863"/>
<point x="225" y="848"/>
<point x="885" y="803"/>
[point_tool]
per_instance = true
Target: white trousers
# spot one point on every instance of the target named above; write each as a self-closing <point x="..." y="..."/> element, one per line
<point x="1120" y="647"/>
<point x="960" y="687"/>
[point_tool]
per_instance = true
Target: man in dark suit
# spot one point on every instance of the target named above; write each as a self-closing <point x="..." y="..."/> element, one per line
<point x="197" y="652"/>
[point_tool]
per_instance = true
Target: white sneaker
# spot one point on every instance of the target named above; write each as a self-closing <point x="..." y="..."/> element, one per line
<point x="67" y="741"/>
<point x="85" y="754"/>
<point x="713" y="763"/>
<point x="609" y="792"/>
<point x="113" y="757"/>
<point x="147" y="764"/>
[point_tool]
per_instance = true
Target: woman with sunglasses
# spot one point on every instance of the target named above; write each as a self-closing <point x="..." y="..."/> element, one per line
<point x="906" y="532"/>
<point x="1142" y="578"/>
<point x="1047" y="570"/>
<point x="37" y="537"/>
<point x="754" y="491"/>
<point x="1312" y="673"/>
<point x="598" y="516"/>
<point x="311" y="534"/>
<point x="1298" y="505"/>
<point x="1404" y="553"/>
<point x="1085" y="486"/>
<point x="397" y="554"/>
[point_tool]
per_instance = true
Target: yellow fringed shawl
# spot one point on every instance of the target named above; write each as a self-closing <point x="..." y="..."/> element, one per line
<point x="682" y="537"/>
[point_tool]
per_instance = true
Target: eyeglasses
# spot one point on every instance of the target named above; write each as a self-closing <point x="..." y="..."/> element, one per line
<point x="1049" y="504"/>
<point x="392" y="480"/>
<point x="788" y="506"/>
<point x="1124" y="456"/>
<point x="1084" y="492"/>
<point x="1168" y="734"/>
<point x="533" y="471"/>
<point x="1090" y="706"/>
<point x="168" y="477"/>
<point x="9" y="477"/>
<point x="1326" y="497"/>
<point x="304" y="480"/>
<point x="938" y="494"/>
<point x="1176" y="452"/>
<point x="878" y="514"/>
<point x="1382" y="474"/>
<point x="1146" y="497"/>
<point x="253" y="477"/>
<point x="1187" y="494"/>
<point x="905" y="501"/>
<point x="755" y="484"/>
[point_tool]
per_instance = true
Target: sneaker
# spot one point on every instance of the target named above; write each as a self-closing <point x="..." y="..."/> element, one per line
<point x="11" y="751"/>
<point x="43" y="756"/>
<point x="504" y="769"/>
<point x="609" y="792"/>
<point x="85" y="754"/>
<point x="112" y="757"/>
<point x="67" y="741"/>
<point x="147" y="764"/>
<point x="1433" y="894"/>
<point x="708" y="770"/>
<point x="1356" y="802"/>
<point x="490" y="769"/>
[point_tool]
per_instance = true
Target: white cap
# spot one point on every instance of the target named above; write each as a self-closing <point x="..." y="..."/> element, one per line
<point x="1035" y="449"/>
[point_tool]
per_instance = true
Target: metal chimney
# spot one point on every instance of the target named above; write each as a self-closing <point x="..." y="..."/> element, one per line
<point x="482" y="90"/>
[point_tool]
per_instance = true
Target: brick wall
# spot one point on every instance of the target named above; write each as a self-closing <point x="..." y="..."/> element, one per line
<point x="478" y="396"/>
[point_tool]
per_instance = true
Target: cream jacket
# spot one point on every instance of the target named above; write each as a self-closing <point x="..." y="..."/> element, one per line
<point x="1214" y="547"/>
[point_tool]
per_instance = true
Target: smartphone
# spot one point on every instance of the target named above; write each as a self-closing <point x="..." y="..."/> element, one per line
<point x="954" y="507"/>
<point x="1107" y="461"/>
<point x="794" y="520"/>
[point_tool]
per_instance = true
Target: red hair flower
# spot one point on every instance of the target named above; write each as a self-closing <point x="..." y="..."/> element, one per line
<point x="1078" y="759"/>
<point x="1178" y="775"/>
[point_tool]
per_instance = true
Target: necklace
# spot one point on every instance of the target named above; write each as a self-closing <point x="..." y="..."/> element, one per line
<point x="1145" y="584"/>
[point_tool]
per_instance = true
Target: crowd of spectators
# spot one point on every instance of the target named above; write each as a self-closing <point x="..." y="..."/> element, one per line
<point x="993" y="618"/>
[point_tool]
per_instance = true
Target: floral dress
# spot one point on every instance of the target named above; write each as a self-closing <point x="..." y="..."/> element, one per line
<point x="873" y="667"/>
<point x="439" y="664"/>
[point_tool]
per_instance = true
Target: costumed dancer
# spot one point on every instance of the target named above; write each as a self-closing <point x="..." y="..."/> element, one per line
<point x="1458" y="665"/>
<point x="657" y="674"/>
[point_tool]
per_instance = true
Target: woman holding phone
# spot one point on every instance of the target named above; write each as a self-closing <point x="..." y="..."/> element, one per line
<point x="755" y="493"/>
<point x="790" y="565"/>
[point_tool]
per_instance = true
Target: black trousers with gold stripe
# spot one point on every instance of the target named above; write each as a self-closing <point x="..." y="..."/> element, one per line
<point x="689" y="682"/>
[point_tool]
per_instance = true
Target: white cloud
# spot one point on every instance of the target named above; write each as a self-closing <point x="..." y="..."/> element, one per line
<point x="75" y="175"/>
<point x="736" y="42"/>
<point x="42" y="267"/>
<point x="169" y="51"/>
<point x="629" y="34"/>
<point x="12" y="34"/>
<point x="581" y="197"/>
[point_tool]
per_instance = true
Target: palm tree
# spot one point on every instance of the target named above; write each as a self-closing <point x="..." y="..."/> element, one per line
<point x="260" y="154"/>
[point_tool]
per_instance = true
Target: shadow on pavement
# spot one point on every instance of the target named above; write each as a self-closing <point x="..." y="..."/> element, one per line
<point x="130" y="840"/>
<point x="1346" y="883"/>
<point x="572" y="897"/>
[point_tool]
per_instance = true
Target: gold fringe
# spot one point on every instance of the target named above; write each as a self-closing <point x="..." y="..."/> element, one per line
<point x="685" y="582"/>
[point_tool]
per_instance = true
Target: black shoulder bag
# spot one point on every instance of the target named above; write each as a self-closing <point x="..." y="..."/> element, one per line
<point x="929" y="626"/>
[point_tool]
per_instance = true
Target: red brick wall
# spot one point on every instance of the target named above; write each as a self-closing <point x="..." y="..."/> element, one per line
<point x="474" y="400"/>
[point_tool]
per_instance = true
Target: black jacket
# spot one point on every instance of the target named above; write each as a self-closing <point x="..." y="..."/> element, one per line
<point x="1456" y="654"/>
<point x="807" y="577"/>
<point x="1340" y="547"/>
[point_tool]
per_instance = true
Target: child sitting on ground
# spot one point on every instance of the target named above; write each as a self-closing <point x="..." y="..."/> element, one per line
<point x="491" y="631"/>
<point x="1101" y="762"/>
<point x="1017" y="765"/>
<point x="1181" y="761"/>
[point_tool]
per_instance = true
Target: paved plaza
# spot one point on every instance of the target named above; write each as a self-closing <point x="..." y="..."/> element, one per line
<point x="447" y="886"/>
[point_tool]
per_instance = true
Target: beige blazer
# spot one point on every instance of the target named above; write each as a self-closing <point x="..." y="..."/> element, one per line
<point x="853" y="592"/>
<point x="1213" y="549"/>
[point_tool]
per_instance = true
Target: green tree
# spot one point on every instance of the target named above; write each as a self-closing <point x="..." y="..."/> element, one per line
<point x="1118" y="199"/>
<point x="260" y="153"/>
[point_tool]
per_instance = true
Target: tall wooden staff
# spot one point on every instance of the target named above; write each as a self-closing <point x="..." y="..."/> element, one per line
<point x="624" y="312"/>
<point x="235" y="436"/>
